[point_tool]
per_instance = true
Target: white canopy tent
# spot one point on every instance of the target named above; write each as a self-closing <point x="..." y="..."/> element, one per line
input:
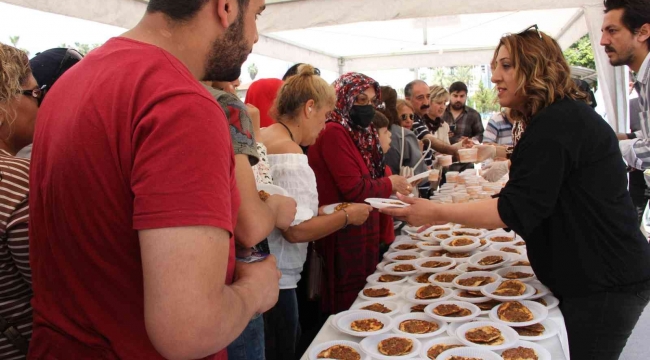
<point x="370" y="35"/>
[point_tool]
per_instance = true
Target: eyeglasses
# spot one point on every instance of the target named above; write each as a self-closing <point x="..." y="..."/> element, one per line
<point x="532" y="27"/>
<point x="410" y="116"/>
<point x="35" y="93"/>
<point x="70" y="58"/>
<point x="363" y="100"/>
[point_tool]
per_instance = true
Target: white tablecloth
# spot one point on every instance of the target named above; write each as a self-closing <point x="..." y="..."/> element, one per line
<point x="557" y="345"/>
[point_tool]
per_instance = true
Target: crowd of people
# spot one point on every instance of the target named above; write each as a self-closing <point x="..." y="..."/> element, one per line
<point x="160" y="216"/>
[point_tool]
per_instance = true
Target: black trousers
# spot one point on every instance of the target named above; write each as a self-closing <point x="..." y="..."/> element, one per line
<point x="599" y="325"/>
<point x="282" y="328"/>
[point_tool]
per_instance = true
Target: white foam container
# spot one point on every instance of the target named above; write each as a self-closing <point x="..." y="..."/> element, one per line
<point x="395" y="289"/>
<point x="392" y="305"/>
<point x="525" y="269"/>
<point x="542" y="353"/>
<point x="472" y="274"/>
<point x="442" y="326"/>
<point x="374" y="279"/>
<point x="344" y="322"/>
<point x="418" y="264"/>
<point x="409" y="295"/>
<point x="476" y="353"/>
<point x="540" y="313"/>
<point x="370" y="346"/>
<point x="471" y="307"/>
<point x="313" y="353"/>
<point x="490" y="288"/>
<point x="509" y="335"/>
<point x="446" y="244"/>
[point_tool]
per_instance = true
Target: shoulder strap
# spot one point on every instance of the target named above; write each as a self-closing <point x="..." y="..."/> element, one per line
<point x="401" y="154"/>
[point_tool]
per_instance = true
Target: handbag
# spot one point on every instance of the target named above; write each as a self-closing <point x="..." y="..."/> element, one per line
<point x="315" y="277"/>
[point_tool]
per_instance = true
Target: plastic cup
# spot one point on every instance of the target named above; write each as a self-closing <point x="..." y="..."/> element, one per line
<point x="444" y="160"/>
<point x="468" y="155"/>
<point x="434" y="175"/>
<point x="458" y="198"/>
<point x="452" y="176"/>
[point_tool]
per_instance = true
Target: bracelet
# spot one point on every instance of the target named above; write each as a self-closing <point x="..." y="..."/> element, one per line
<point x="346" y="219"/>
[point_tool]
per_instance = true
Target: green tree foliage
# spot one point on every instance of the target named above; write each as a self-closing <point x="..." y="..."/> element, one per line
<point x="14" y="42"/>
<point x="485" y="99"/>
<point x="581" y="54"/>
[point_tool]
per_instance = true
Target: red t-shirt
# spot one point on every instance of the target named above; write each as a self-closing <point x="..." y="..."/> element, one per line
<point x="126" y="140"/>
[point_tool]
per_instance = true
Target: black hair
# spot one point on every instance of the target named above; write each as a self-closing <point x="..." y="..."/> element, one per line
<point x="380" y="120"/>
<point x="408" y="90"/>
<point x="636" y="13"/>
<point x="294" y="71"/>
<point x="183" y="10"/>
<point x="458" y="86"/>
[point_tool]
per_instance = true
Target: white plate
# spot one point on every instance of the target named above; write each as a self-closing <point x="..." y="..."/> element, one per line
<point x="313" y="353"/>
<point x="543" y="290"/>
<point x="418" y="264"/>
<point x="551" y="330"/>
<point x="446" y="244"/>
<point x="469" y="300"/>
<point x="369" y="346"/>
<point x="406" y="308"/>
<point x="411" y="279"/>
<point x="374" y="280"/>
<point x="393" y="306"/>
<point x="336" y="318"/>
<point x="451" y="329"/>
<point x="331" y="209"/>
<point x="432" y="278"/>
<point x="472" y="274"/>
<point x="525" y="269"/>
<point x="395" y="289"/>
<point x="509" y="335"/>
<point x="396" y="244"/>
<point x="272" y="189"/>
<point x="424" y="245"/>
<point x="476" y="258"/>
<point x="470" y="352"/>
<point x="388" y="269"/>
<point x="502" y="234"/>
<point x="392" y="256"/>
<point x="386" y="203"/>
<point x="542" y="353"/>
<point x="488" y="243"/>
<point x="488" y="289"/>
<point x="419" y="176"/>
<point x="551" y="302"/>
<point x="521" y="250"/>
<point x="409" y="295"/>
<point x="434" y="236"/>
<point x="344" y="322"/>
<point x="447" y="340"/>
<point x="539" y="314"/>
<point x="442" y="326"/>
<point x="380" y="266"/>
<point x="471" y="307"/>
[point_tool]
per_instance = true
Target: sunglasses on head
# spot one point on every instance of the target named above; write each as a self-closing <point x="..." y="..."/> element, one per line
<point x="532" y="27"/>
<point x="410" y="116"/>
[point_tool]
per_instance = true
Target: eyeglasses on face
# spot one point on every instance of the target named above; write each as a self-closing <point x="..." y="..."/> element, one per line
<point x="36" y="93"/>
<point x="409" y="116"/>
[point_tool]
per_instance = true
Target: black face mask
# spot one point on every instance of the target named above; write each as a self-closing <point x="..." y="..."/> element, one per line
<point x="362" y="115"/>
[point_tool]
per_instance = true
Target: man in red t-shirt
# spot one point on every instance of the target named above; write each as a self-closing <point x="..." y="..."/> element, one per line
<point x="133" y="196"/>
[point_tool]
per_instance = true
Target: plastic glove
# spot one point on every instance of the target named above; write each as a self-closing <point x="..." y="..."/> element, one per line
<point x="496" y="170"/>
<point x="486" y="152"/>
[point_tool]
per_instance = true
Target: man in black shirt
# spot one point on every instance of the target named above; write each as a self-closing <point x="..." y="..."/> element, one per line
<point x="462" y="119"/>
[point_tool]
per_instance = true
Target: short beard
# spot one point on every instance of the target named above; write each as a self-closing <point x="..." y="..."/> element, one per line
<point x="626" y="57"/>
<point x="228" y="54"/>
<point x="457" y="106"/>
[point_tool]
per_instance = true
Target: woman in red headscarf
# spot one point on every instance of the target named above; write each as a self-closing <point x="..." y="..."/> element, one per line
<point x="262" y="94"/>
<point x="349" y="166"/>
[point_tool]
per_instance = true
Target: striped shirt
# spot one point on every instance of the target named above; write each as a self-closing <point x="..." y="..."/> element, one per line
<point x="639" y="158"/>
<point x="498" y="130"/>
<point x="421" y="130"/>
<point x="15" y="273"/>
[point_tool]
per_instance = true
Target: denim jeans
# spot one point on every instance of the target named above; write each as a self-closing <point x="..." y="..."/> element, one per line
<point x="599" y="324"/>
<point x="250" y="344"/>
<point x="281" y="327"/>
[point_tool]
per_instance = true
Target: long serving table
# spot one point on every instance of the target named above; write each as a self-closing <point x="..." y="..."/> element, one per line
<point x="558" y="346"/>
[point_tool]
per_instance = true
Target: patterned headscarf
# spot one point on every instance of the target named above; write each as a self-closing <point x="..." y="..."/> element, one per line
<point x="347" y="88"/>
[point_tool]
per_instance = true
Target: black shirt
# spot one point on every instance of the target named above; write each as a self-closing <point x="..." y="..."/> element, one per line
<point x="567" y="197"/>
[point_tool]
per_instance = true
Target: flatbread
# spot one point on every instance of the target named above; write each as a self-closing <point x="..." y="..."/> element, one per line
<point x="541" y="301"/>
<point x="339" y="352"/>
<point x="366" y="325"/>
<point x="404" y="268"/>
<point x="502" y="239"/>
<point x="405" y="257"/>
<point x="510" y="250"/>
<point x="483" y="335"/>
<point x="445" y="278"/>
<point x="376" y="293"/>
<point x="463" y="358"/>
<point x="418" y="308"/>
<point x="395" y="346"/>
<point x="491" y="260"/>
<point x="436" y="264"/>
<point x="406" y="247"/>
<point x="510" y="288"/>
<point x="436" y="350"/>
<point x="263" y="195"/>
<point x="531" y="330"/>
<point x="521" y="263"/>
<point x="475" y="281"/>
<point x="518" y="275"/>
<point x="446" y="309"/>
<point x="377" y="307"/>
<point x="461" y="242"/>
<point x="470" y="294"/>
<point x="429" y="292"/>
<point x="462" y="313"/>
<point x="423" y="278"/>
<point x="458" y="255"/>
<point x="389" y="278"/>
<point x="415" y="326"/>
<point x="488" y="305"/>
<point x="514" y="312"/>
<point x="342" y="206"/>
<point x="520" y="353"/>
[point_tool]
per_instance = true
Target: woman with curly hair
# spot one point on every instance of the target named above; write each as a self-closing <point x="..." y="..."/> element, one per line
<point x="567" y="197"/>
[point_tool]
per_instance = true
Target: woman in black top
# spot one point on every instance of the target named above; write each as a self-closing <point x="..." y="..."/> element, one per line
<point x="567" y="197"/>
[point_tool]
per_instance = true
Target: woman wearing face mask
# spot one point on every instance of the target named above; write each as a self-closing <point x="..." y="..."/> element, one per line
<point x="348" y="162"/>
<point x="567" y="197"/>
<point x="300" y="110"/>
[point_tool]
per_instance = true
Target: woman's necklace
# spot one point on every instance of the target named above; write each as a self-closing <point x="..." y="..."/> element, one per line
<point x="290" y="133"/>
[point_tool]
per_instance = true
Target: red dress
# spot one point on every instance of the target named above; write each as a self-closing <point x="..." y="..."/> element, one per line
<point x="350" y="254"/>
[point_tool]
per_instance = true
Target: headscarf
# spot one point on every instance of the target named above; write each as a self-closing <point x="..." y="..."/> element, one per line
<point x="347" y="88"/>
<point x="262" y="94"/>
